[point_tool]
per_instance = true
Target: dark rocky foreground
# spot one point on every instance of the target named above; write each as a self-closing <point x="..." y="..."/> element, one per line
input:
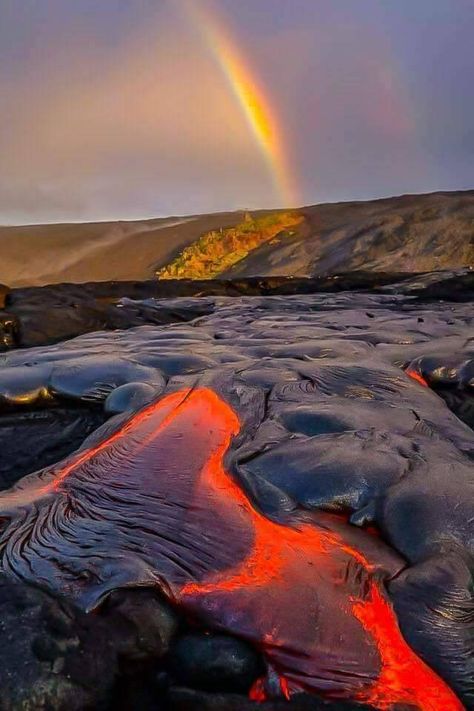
<point x="331" y="425"/>
<point x="37" y="316"/>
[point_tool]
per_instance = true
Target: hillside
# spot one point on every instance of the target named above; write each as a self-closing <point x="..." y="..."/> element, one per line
<point x="34" y="255"/>
<point x="407" y="233"/>
<point x="218" y="251"/>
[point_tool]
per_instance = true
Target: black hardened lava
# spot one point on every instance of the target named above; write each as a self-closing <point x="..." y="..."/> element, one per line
<point x="41" y="315"/>
<point x="278" y="475"/>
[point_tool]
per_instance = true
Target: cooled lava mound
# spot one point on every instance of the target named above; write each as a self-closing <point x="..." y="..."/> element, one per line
<point x="287" y="470"/>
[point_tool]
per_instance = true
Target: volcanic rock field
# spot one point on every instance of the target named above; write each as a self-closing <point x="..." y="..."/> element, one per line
<point x="219" y="498"/>
<point x="252" y="490"/>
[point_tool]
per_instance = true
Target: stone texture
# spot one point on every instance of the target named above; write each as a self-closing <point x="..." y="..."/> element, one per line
<point x="182" y="699"/>
<point x="322" y="389"/>
<point x="52" y="657"/>
<point x="214" y="663"/>
<point x="144" y="624"/>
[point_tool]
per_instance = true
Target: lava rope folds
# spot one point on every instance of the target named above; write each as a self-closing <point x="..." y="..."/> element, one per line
<point x="153" y="504"/>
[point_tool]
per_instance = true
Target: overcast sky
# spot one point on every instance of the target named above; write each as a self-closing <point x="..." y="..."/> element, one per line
<point x="118" y="108"/>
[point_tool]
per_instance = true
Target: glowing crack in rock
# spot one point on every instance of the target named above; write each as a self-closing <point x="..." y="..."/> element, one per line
<point x="153" y="504"/>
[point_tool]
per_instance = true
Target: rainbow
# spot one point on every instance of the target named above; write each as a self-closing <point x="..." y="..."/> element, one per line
<point x="261" y="116"/>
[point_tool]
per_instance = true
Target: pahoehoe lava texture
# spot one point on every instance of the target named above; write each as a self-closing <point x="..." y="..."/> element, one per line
<point x="287" y="483"/>
<point x="41" y="435"/>
<point x="38" y="316"/>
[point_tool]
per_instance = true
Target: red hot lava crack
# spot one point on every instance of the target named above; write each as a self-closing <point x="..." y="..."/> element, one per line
<point x="312" y="601"/>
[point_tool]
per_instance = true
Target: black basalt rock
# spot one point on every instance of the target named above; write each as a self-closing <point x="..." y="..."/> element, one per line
<point x="183" y="699"/>
<point x="52" y="657"/>
<point x="144" y="624"/>
<point x="55" y="658"/>
<point x="319" y="431"/>
<point x="37" y="438"/>
<point x="214" y="662"/>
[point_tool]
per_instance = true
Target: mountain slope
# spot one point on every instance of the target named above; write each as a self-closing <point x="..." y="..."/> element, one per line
<point x="34" y="255"/>
<point x="407" y="233"/>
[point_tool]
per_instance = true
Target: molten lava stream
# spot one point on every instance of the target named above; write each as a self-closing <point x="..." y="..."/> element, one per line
<point x="415" y="375"/>
<point x="288" y="564"/>
<point x="307" y="593"/>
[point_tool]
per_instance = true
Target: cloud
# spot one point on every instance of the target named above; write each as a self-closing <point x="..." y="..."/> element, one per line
<point x="154" y="118"/>
<point x="118" y="109"/>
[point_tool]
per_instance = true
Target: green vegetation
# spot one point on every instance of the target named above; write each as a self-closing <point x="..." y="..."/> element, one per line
<point x="215" y="252"/>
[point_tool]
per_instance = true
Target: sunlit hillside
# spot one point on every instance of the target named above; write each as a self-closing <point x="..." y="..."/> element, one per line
<point x="408" y="233"/>
<point x="218" y="250"/>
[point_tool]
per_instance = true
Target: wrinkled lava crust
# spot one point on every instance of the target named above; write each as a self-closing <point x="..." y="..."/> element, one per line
<point x="277" y="475"/>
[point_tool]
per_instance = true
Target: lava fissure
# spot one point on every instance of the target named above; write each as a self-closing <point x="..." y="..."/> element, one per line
<point x="308" y="593"/>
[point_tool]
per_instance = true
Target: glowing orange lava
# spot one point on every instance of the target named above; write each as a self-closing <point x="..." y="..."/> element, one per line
<point x="416" y="376"/>
<point x="168" y="408"/>
<point x="257" y="692"/>
<point x="300" y="591"/>
<point x="271" y="569"/>
<point x="404" y="676"/>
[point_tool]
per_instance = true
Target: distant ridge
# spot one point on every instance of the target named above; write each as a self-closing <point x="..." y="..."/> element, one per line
<point x="407" y="233"/>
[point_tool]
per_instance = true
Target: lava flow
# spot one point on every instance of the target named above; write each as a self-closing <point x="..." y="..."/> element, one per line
<point x="414" y="375"/>
<point x="156" y="505"/>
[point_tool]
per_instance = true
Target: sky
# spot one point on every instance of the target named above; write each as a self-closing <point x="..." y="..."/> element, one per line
<point x="127" y="109"/>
